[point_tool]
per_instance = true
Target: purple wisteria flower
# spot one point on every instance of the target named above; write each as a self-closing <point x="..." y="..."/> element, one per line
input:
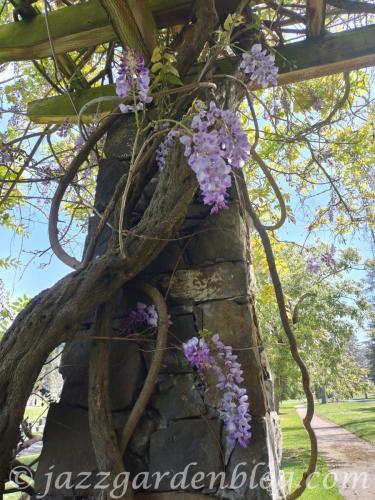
<point x="133" y="79"/>
<point x="7" y="154"/>
<point x="141" y="317"/>
<point x="64" y="129"/>
<point x="197" y="353"/>
<point x="318" y="105"/>
<point x="164" y="148"/>
<point x="216" y="145"/>
<point x="260" y="65"/>
<point x="329" y="257"/>
<point x="330" y="212"/>
<point x="233" y="406"/>
<point x="314" y="265"/>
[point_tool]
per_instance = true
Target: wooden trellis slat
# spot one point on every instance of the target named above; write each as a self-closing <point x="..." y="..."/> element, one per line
<point x="313" y="58"/>
<point x="83" y="25"/>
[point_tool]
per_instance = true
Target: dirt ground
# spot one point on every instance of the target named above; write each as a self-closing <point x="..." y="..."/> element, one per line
<point x="350" y="459"/>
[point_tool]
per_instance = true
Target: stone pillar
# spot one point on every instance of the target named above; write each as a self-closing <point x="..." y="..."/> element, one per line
<point x="206" y="276"/>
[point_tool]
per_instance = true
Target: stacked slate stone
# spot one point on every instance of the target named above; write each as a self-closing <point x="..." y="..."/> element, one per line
<point x="210" y="285"/>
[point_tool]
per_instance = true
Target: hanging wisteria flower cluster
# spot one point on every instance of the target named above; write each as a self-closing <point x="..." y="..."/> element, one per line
<point x="315" y="263"/>
<point x="216" y="145"/>
<point x="64" y="129"/>
<point x="165" y="147"/>
<point x="213" y="356"/>
<point x="7" y="154"/>
<point x="141" y="317"/>
<point x="133" y="80"/>
<point x="260" y="65"/>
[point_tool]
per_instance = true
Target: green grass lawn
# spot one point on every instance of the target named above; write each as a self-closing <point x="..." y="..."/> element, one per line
<point x="358" y="418"/>
<point x="296" y="456"/>
<point x="35" y="412"/>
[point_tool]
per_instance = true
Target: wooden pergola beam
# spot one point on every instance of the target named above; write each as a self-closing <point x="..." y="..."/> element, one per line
<point x="313" y="58"/>
<point x="83" y="25"/>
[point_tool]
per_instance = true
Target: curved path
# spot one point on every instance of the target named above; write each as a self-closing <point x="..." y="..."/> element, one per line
<point x="349" y="458"/>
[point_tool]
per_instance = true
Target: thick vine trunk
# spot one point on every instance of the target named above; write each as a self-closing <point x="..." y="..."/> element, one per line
<point x="55" y="315"/>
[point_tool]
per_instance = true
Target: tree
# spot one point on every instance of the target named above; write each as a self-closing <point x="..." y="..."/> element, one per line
<point x="150" y="225"/>
<point x="327" y="308"/>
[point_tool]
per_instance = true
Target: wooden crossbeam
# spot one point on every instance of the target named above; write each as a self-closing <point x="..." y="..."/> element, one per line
<point x="83" y="25"/>
<point x="333" y="53"/>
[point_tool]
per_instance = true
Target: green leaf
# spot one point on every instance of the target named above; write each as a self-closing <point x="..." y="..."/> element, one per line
<point x="156" y="55"/>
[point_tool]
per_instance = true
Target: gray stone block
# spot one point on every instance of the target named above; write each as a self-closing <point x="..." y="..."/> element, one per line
<point x="120" y="138"/>
<point x="221" y="237"/>
<point x="177" y="397"/>
<point x="67" y="452"/>
<point x="127" y="374"/>
<point x="219" y="281"/>
<point x="183" y="443"/>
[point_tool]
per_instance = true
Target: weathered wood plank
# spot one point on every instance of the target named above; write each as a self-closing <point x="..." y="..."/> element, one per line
<point x="83" y="25"/>
<point x="315" y="10"/>
<point x="72" y="28"/>
<point x="133" y="22"/>
<point x="331" y="54"/>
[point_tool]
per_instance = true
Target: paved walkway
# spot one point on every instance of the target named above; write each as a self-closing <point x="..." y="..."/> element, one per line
<point x="33" y="449"/>
<point x="348" y="457"/>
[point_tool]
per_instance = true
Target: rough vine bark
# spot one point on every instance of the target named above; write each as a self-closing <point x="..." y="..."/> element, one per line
<point x="55" y="315"/>
<point x="104" y="439"/>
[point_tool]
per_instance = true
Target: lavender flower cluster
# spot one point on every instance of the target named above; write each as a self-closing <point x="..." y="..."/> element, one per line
<point x="64" y="129"/>
<point x="7" y="155"/>
<point x="315" y="263"/>
<point x="141" y="317"/>
<point x="217" y="145"/>
<point x="165" y="147"/>
<point x="134" y="80"/>
<point x="233" y="407"/>
<point x="260" y="65"/>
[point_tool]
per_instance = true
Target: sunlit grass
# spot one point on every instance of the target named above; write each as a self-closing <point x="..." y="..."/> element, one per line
<point x="356" y="417"/>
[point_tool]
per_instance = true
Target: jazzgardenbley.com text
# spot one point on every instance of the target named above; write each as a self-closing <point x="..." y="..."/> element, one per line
<point x="188" y="479"/>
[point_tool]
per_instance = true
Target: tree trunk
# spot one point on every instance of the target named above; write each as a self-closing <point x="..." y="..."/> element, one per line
<point x="206" y="275"/>
<point x="324" y="395"/>
<point x="277" y="392"/>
